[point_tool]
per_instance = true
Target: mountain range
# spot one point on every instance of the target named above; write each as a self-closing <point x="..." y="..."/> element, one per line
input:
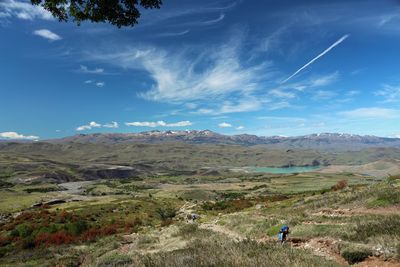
<point x="312" y="141"/>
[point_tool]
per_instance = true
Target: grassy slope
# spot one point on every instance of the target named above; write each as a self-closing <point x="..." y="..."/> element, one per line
<point x="358" y="216"/>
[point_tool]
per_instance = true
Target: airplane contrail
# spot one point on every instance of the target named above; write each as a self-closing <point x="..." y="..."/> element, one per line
<point x="344" y="37"/>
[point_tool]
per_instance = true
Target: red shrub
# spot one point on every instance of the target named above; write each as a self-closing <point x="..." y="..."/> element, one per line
<point x="41" y="239"/>
<point x="109" y="230"/>
<point x="59" y="238"/>
<point x="4" y="240"/>
<point x="45" y="206"/>
<point x="166" y="222"/>
<point x="91" y="234"/>
<point x="340" y="185"/>
<point x="63" y="216"/>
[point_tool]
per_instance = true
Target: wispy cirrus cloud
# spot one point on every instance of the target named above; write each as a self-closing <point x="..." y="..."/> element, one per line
<point x="172" y="34"/>
<point x="182" y="12"/>
<point x="178" y="77"/>
<point x="390" y="93"/>
<point x="91" y="125"/>
<point x="371" y="113"/>
<point x="323" y="95"/>
<point x="211" y="22"/>
<point x="47" y="34"/>
<point x="17" y="136"/>
<point x="153" y="124"/>
<point x="246" y="104"/>
<point x="23" y="10"/>
<point x="86" y="69"/>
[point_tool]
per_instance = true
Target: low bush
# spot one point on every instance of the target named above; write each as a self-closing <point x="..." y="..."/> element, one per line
<point x="76" y="228"/>
<point x="367" y="227"/>
<point x="22" y="230"/>
<point x="114" y="260"/>
<point x="353" y="256"/>
<point x="166" y="213"/>
<point x="57" y="238"/>
<point x="385" y="198"/>
<point x="228" y="205"/>
<point x="188" y="230"/>
<point x="340" y="185"/>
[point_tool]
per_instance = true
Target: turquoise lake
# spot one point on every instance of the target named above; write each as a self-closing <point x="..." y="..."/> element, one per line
<point x="287" y="170"/>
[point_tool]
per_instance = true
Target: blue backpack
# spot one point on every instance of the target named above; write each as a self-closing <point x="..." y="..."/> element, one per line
<point x="284" y="228"/>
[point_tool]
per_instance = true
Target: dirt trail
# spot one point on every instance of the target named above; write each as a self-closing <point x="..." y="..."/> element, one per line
<point x="163" y="240"/>
<point x="213" y="226"/>
<point x="350" y="212"/>
<point x="323" y="247"/>
<point x="377" y="262"/>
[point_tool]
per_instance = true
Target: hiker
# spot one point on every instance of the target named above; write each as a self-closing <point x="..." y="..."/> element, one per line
<point x="194" y="216"/>
<point x="283" y="233"/>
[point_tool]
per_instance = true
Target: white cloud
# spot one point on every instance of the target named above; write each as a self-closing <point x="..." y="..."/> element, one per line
<point x="389" y="93"/>
<point x="313" y="82"/>
<point x="278" y="105"/>
<point x="47" y="34"/>
<point x="240" y="106"/>
<point x="273" y="41"/>
<point x="89" y="126"/>
<point x="228" y="125"/>
<point x="96" y="83"/>
<point x="352" y="93"/>
<point x="113" y="124"/>
<point x="212" y="21"/>
<point x="243" y="105"/>
<point x="4" y="15"/>
<point x="100" y="84"/>
<point x="94" y="124"/>
<point x="225" y="125"/>
<point x="371" y="113"/>
<point x="323" y="95"/>
<point x="279" y="93"/>
<point x="14" y="135"/>
<point x="385" y="19"/>
<point x="158" y="124"/>
<point x="170" y="34"/>
<point x="23" y="10"/>
<point x="85" y="69"/>
<point x="325" y="80"/>
<point x="177" y="77"/>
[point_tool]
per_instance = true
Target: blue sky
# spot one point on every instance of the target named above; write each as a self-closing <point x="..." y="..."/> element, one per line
<point x="267" y="68"/>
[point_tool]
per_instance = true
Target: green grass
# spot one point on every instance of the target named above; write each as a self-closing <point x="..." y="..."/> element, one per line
<point x="367" y="227"/>
<point x="219" y="251"/>
<point x="114" y="260"/>
<point x="318" y="230"/>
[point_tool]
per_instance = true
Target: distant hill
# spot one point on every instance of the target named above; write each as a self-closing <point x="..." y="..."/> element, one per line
<point x="103" y="156"/>
<point x="313" y="141"/>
